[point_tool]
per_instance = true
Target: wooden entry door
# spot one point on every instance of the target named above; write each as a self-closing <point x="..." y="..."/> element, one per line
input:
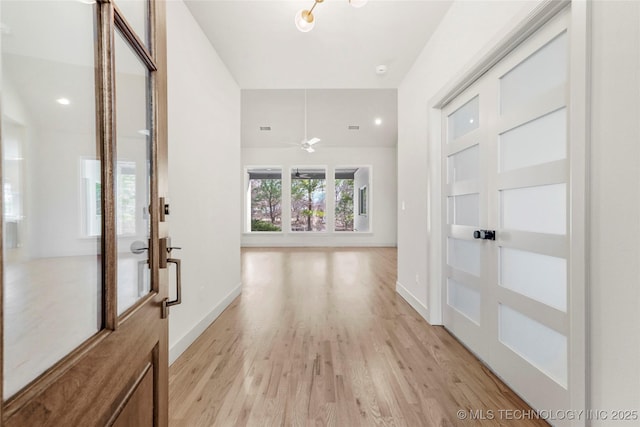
<point x="84" y="155"/>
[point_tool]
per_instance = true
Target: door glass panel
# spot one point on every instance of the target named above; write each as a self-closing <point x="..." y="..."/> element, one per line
<point x="540" y="141"/>
<point x="465" y="255"/>
<point x="541" y="209"/>
<point x="464" y="299"/>
<point x="52" y="255"/>
<point x="308" y="203"/>
<point x="132" y="174"/>
<point x="541" y="72"/>
<point x="524" y="336"/>
<point x="464" y="165"/>
<point x="538" y="276"/>
<point x="464" y="210"/>
<point x="464" y="119"/>
<point x="136" y="12"/>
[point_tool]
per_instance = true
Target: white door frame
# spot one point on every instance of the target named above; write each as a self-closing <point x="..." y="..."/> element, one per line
<point x="579" y="97"/>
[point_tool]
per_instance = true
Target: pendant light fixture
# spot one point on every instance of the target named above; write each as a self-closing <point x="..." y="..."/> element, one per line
<point x="305" y="20"/>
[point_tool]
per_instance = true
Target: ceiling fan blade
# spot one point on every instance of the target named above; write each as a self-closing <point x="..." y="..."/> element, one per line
<point x="313" y="141"/>
<point x="310" y="149"/>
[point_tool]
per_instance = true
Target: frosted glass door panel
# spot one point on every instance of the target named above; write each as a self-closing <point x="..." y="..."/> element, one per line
<point x="524" y="336"/>
<point x="539" y="141"/>
<point x="465" y="255"/>
<point x="464" y="119"/>
<point x="52" y="207"/>
<point x="464" y="210"/>
<point x="541" y="277"/>
<point x="546" y="69"/>
<point x="464" y="299"/>
<point x="541" y="209"/>
<point x="464" y="165"/>
<point x="132" y="174"/>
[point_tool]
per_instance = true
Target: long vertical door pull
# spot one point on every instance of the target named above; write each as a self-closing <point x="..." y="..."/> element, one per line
<point x="165" y="251"/>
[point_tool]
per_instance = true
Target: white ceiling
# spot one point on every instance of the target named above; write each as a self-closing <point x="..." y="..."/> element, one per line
<point x="329" y="114"/>
<point x="262" y="48"/>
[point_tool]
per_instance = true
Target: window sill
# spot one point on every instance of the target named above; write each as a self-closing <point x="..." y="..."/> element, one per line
<point x="307" y="233"/>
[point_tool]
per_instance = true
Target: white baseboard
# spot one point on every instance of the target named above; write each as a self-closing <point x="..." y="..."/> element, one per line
<point x="187" y="339"/>
<point x="412" y="301"/>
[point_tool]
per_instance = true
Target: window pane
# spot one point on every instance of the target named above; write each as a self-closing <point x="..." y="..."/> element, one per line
<point x="543" y="71"/>
<point x="352" y="199"/>
<point x="136" y="12"/>
<point x="265" y="199"/>
<point x="541" y="277"/>
<point x="464" y="165"/>
<point x="132" y="175"/>
<point x="465" y="255"/>
<point x="541" y="209"/>
<point x="308" y="204"/>
<point x="464" y="210"/>
<point x="540" y="141"/>
<point x="464" y="299"/>
<point x="524" y="336"/>
<point x="345" y="200"/>
<point x="464" y="119"/>
<point x="52" y="213"/>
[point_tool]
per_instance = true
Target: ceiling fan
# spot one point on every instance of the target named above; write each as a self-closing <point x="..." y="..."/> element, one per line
<point x="300" y="175"/>
<point x="307" y="144"/>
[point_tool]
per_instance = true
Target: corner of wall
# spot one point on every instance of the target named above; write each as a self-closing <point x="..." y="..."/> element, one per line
<point x="190" y="336"/>
<point x="413" y="301"/>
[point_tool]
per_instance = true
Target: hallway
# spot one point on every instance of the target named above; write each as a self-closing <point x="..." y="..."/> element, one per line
<point x="319" y="337"/>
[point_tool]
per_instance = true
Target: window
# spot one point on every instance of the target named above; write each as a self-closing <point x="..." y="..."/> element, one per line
<point x="125" y="195"/>
<point x="362" y="208"/>
<point x="265" y="199"/>
<point x="344" y="201"/>
<point x="352" y="199"/>
<point x="308" y="202"/>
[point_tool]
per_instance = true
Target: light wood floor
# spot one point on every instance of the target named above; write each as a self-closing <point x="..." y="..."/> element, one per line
<point x="319" y="337"/>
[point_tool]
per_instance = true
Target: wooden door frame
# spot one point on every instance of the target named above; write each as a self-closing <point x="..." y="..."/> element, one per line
<point x="108" y="20"/>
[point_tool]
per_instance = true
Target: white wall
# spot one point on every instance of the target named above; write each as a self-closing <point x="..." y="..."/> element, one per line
<point x="467" y="28"/>
<point x="615" y="208"/>
<point x="382" y="193"/>
<point x="204" y="164"/>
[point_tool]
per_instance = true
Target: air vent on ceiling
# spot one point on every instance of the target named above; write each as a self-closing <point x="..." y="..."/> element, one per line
<point x="265" y="127"/>
<point x="354" y="127"/>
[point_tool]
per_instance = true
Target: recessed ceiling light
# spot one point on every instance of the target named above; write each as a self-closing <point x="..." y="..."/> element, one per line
<point x="378" y="121"/>
<point x="63" y="101"/>
<point x="470" y="120"/>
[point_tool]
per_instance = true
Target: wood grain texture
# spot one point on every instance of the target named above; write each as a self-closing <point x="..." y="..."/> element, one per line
<point x="139" y="408"/>
<point x="320" y="337"/>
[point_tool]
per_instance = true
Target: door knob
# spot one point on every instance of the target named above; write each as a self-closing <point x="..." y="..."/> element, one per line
<point x="484" y="234"/>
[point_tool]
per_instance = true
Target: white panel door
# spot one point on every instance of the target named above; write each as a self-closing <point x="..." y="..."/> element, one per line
<point x="530" y="188"/>
<point x="506" y="171"/>
<point x="466" y="259"/>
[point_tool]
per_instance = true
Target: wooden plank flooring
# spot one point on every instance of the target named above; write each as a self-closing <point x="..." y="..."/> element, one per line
<point x="319" y="337"/>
